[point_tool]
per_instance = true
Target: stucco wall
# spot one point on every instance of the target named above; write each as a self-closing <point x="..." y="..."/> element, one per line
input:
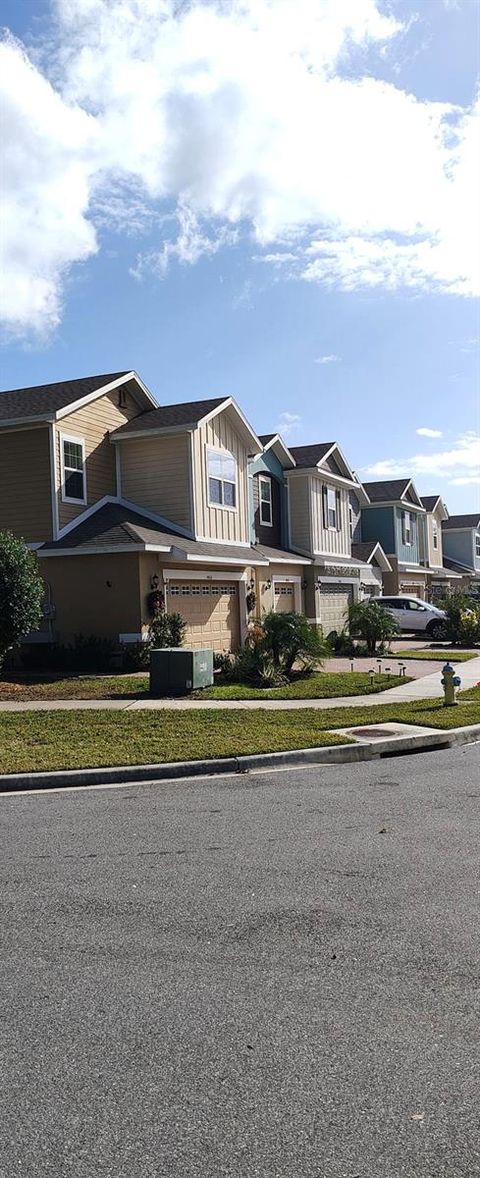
<point x="94" y="594"/>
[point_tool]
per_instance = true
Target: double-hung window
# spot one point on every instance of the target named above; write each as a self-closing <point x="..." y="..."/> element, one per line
<point x="72" y="455"/>
<point x="435" y="534"/>
<point x="477" y="544"/>
<point x="407" y="528"/>
<point x="222" y="479"/>
<point x="266" y="511"/>
<point x="331" y="508"/>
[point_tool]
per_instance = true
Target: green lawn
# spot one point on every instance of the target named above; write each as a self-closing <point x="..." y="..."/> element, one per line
<point x="325" y="685"/>
<point x="75" y="687"/>
<point x="32" y="741"/>
<point x="448" y="654"/>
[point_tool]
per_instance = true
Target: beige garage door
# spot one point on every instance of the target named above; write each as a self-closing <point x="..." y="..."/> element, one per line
<point x="334" y="603"/>
<point x="284" y="597"/>
<point x="210" y="609"/>
<point x="413" y="588"/>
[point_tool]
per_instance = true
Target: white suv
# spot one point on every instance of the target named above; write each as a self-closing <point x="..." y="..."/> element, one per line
<point x="411" y="613"/>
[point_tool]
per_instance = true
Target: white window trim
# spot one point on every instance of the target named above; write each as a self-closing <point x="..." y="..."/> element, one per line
<point x="477" y="542"/>
<point x="407" y="543"/>
<point x="77" y="442"/>
<point x="337" y="526"/>
<point x="435" y="536"/>
<point x="265" y="479"/>
<point x="223" y="454"/>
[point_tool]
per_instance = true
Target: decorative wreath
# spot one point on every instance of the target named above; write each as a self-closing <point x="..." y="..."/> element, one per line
<point x="155" y="601"/>
<point x="251" y="600"/>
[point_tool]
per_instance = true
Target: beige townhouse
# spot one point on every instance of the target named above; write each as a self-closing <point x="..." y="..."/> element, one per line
<point x="325" y="500"/>
<point x="440" y="580"/>
<point x="125" y="497"/>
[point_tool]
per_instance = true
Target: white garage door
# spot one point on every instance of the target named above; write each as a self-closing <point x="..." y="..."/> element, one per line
<point x="284" y="597"/>
<point x="413" y="588"/>
<point x="334" y="603"/>
<point x="210" y="609"/>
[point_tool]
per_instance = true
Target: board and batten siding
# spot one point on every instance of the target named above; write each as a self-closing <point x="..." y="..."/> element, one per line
<point x="220" y="523"/>
<point x="330" y="540"/>
<point x="435" y="555"/>
<point x="93" y="423"/>
<point x="25" y="485"/>
<point x="155" y="473"/>
<point x="299" y="494"/>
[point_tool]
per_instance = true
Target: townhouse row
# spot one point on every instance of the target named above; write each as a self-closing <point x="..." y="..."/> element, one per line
<point x="123" y="498"/>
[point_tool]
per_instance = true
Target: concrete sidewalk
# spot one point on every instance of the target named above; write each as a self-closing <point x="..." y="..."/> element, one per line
<point x="427" y="687"/>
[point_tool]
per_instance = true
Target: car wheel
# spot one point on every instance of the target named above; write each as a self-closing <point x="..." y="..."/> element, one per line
<point x="436" y="630"/>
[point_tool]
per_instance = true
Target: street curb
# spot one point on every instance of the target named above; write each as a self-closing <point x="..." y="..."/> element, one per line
<point x="340" y="754"/>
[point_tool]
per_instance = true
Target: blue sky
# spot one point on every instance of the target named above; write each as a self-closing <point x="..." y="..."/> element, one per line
<point x="294" y="225"/>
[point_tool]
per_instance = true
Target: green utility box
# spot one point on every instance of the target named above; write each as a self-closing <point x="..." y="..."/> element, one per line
<point x="175" y="670"/>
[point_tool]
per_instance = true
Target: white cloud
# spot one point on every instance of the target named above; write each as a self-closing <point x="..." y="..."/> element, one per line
<point x="425" y="432"/>
<point x="188" y="247"/>
<point x="461" y="462"/>
<point x="246" y="117"/>
<point x="288" y="425"/>
<point x="469" y="481"/>
<point x="47" y="164"/>
<point x="332" y="359"/>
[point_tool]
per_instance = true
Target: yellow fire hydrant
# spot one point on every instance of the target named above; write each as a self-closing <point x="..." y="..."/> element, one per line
<point x="450" y="682"/>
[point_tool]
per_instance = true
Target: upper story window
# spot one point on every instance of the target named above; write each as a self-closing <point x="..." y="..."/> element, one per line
<point x="351" y="520"/>
<point x="266" y="510"/>
<point x="72" y="455"/>
<point x="477" y="544"/>
<point x="435" y="534"/>
<point x="331" y="508"/>
<point x="407" y="527"/>
<point x="222" y="479"/>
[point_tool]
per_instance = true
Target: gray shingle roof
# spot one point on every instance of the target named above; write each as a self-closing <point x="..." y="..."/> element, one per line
<point x="45" y="399"/>
<point x="116" y="526"/>
<point x="113" y="525"/>
<point x="168" y="416"/>
<point x="383" y="492"/>
<point x="281" y="554"/>
<point x="429" y="501"/>
<point x="310" y="455"/>
<point x="462" y="521"/>
<point x="363" y="550"/>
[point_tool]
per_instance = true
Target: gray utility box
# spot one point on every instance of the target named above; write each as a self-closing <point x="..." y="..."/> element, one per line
<point x="175" y="670"/>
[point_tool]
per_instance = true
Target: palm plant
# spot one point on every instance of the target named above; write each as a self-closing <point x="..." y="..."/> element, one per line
<point x="372" y="623"/>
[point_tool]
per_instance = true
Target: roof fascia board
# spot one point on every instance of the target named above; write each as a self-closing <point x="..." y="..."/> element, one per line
<point x="200" y="558"/>
<point x="336" y="447"/>
<point x="379" y="555"/>
<point x="230" y="403"/>
<point x="295" y="558"/>
<point x="151" y="433"/>
<point x="100" y="392"/>
<point x="326" y="475"/>
<point x="27" y="422"/>
<point x="465" y="528"/>
<point x="396" y="503"/>
<point x="277" y="443"/>
<point x="91" y="550"/>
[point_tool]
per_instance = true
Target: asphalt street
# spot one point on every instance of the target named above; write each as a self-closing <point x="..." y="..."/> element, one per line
<point x="270" y="974"/>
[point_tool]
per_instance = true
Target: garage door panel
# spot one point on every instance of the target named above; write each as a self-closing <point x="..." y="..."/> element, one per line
<point x="284" y="597"/>
<point x="210" y="610"/>
<point x="334" y="603"/>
